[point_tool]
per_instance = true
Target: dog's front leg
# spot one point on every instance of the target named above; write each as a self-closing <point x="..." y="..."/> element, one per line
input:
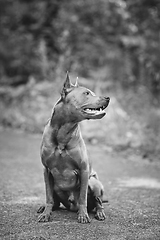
<point x="45" y="216"/>
<point x="82" y="213"/>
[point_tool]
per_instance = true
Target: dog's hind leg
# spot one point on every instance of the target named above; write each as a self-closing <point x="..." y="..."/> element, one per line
<point x="95" y="197"/>
<point x="51" y="201"/>
<point x="100" y="214"/>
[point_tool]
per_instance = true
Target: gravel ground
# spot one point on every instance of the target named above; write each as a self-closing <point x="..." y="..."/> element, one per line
<point x="131" y="186"/>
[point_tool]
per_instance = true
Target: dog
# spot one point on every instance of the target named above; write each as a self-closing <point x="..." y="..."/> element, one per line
<point x="68" y="174"/>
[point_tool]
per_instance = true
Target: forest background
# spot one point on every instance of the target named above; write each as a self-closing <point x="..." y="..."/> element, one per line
<point x="114" y="48"/>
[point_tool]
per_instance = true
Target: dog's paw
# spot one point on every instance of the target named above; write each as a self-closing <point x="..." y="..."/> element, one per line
<point x="100" y="215"/>
<point x="83" y="216"/>
<point x="45" y="213"/>
<point x="44" y="217"/>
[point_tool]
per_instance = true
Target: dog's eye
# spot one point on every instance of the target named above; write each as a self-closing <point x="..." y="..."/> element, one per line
<point x="87" y="93"/>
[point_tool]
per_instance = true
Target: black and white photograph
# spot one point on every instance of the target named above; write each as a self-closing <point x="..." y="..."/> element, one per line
<point x="80" y="120"/>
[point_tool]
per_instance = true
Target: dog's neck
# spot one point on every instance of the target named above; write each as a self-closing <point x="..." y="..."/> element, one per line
<point x="64" y="126"/>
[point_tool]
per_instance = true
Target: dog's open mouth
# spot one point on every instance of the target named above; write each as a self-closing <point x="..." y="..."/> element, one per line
<point x="95" y="111"/>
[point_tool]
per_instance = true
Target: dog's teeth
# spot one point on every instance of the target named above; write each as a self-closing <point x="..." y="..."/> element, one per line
<point x="88" y="110"/>
<point x="94" y="110"/>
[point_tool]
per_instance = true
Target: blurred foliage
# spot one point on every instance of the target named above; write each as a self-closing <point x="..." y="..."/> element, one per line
<point x="113" y="40"/>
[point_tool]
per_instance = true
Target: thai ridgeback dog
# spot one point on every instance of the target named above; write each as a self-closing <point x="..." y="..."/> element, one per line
<point x="68" y="174"/>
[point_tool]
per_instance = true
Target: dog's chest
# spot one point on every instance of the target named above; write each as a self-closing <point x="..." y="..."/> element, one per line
<point x="64" y="170"/>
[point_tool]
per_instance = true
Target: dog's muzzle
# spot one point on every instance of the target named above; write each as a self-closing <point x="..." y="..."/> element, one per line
<point x="93" y="112"/>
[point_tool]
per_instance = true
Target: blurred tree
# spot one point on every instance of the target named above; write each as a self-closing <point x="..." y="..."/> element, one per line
<point x="46" y="37"/>
<point x="143" y="43"/>
<point x="23" y="25"/>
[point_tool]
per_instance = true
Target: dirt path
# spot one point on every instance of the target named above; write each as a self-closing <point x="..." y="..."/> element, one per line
<point x="132" y="188"/>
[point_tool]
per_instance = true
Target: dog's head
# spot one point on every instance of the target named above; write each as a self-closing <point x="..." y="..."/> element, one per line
<point x="81" y="102"/>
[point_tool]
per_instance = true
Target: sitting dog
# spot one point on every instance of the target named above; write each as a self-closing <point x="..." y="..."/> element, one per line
<point x="68" y="174"/>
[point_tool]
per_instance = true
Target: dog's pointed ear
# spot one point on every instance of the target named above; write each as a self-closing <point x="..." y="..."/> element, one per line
<point x="67" y="83"/>
<point x="67" y="87"/>
<point x="76" y="84"/>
